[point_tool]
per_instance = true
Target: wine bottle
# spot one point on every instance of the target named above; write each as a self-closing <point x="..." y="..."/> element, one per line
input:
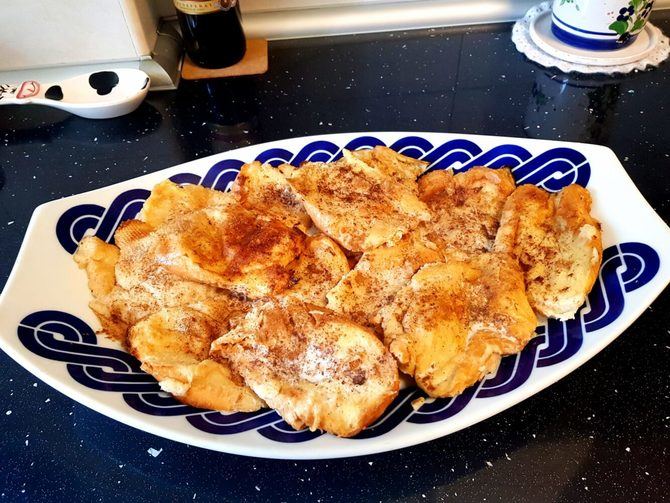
<point x="212" y="31"/>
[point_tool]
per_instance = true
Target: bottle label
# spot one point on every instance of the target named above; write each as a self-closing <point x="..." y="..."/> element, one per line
<point x="197" y="7"/>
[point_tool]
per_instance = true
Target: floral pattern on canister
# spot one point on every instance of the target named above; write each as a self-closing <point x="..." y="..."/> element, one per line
<point x="631" y="19"/>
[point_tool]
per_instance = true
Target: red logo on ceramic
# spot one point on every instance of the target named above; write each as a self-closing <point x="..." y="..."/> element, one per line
<point x="28" y="89"/>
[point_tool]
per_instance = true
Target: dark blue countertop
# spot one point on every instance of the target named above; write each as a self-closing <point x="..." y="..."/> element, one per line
<point x="600" y="434"/>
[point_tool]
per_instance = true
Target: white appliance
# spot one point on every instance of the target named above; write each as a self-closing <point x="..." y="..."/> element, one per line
<point x="51" y="40"/>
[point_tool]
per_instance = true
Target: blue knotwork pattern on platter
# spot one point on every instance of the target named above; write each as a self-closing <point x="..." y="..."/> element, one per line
<point x="552" y="170"/>
<point x="60" y="336"/>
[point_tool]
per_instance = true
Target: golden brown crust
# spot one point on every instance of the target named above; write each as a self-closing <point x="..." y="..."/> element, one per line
<point x="99" y="260"/>
<point x="180" y="285"/>
<point x="264" y="190"/>
<point x="465" y="208"/>
<point x="558" y="245"/>
<point x="356" y="205"/>
<point x="452" y="323"/>
<point x="317" y="270"/>
<point x="128" y="284"/>
<point x="169" y="200"/>
<point x="215" y="386"/>
<point x="378" y="275"/>
<point x="145" y="285"/>
<point x="402" y="169"/>
<point x="130" y="231"/>
<point x="316" y="368"/>
<point x="173" y="346"/>
<point x="228" y="248"/>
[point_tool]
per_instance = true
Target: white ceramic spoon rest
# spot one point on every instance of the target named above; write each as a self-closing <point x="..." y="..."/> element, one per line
<point x="97" y="95"/>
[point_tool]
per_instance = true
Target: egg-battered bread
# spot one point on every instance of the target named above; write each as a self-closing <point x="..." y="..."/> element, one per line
<point x="317" y="369"/>
<point x="557" y="243"/>
<point x="401" y="168"/>
<point x="168" y="323"/>
<point x="228" y="247"/>
<point x="466" y="207"/>
<point x="145" y="285"/>
<point x="206" y="236"/>
<point x="307" y="289"/>
<point x="169" y="200"/>
<point x="379" y="274"/>
<point x="127" y="283"/>
<point x="173" y="346"/>
<point x="264" y="189"/>
<point x="452" y="323"/>
<point x="318" y="269"/>
<point x="358" y="206"/>
<point x="99" y="259"/>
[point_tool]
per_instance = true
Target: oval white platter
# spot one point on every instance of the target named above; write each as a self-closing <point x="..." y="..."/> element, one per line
<point x="46" y="326"/>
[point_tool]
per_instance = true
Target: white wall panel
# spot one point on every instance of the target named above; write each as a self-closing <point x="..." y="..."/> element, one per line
<point x="37" y="33"/>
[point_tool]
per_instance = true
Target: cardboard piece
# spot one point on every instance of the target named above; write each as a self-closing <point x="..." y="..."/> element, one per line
<point x="255" y="62"/>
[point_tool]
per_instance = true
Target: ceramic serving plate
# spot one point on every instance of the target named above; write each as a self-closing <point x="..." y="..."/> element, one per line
<point x="46" y="326"/>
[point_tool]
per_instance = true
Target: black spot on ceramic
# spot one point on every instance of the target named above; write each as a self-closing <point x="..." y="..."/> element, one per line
<point x="54" y="93"/>
<point x="103" y="82"/>
<point x="146" y="83"/>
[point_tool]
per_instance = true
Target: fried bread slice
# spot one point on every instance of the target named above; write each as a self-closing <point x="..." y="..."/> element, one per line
<point x="99" y="260"/>
<point x="451" y="324"/>
<point x="378" y="275"/>
<point x="169" y="200"/>
<point x="145" y="285"/>
<point x="401" y="168"/>
<point x="131" y="231"/>
<point x="316" y="368"/>
<point x="226" y="247"/>
<point x="132" y="305"/>
<point x="127" y="283"/>
<point x="173" y="346"/>
<point x="264" y="189"/>
<point x="318" y="269"/>
<point x="466" y="207"/>
<point x="557" y="243"/>
<point x="358" y="206"/>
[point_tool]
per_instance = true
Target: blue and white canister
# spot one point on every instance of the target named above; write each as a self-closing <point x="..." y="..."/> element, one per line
<point x="599" y="24"/>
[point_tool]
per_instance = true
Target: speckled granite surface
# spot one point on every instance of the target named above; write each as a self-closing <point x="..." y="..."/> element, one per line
<point x="600" y="434"/>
